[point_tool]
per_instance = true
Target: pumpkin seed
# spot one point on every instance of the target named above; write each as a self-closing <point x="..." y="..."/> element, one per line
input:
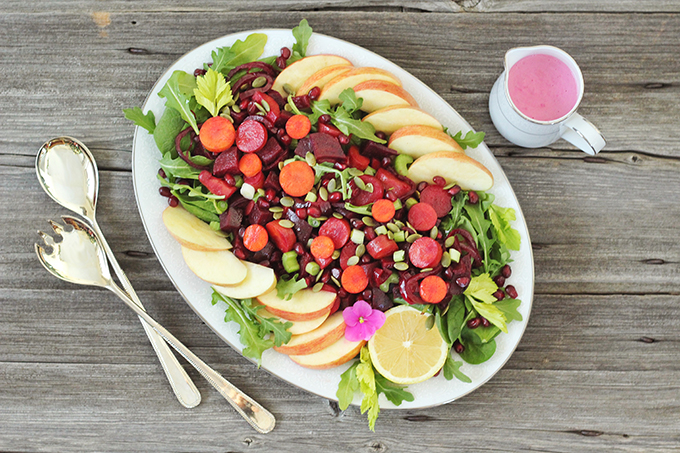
<point x="278" y="215"/>
<point x="401" y="266"/>
<point x="361" y="249"/>
<point x="261" y="108"/>
<point x="336" y="254"/>
<point x="287" y="202"/>
<point x="392" y="227"/>
<point x="332" y="184"/>
<point x="335" y="280"/>
<point x="368" y="221"/>
<point x="316" y="288"/>
<point x="280" y="166"/>
<point x="276" y="209"/>
<point x="236" y="108"/>
<point x="288" y="89"/>
<point x="449" y="241"/>
<point x="446" y="259"/>
<point x="427" y="269"/>
<point x="265" y="104"/>
<point x="286" y="223"/>
<point x="323" y="193"/>
<point x="259" y="82"/>
<point x="354" y="171"/>
<point x="337" y="215"/>
<point x="413" y="238"/>
<point x="360" y="184"/>
<point x="353" y="261"/>
<point x="311" y="196"/>
<point x="369" y="188"/>
<point x="311" y="160"/>
<point x="434" y="232"/>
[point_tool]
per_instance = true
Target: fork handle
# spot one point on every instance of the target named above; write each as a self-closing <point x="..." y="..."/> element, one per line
<point x="258" y="417"/>
<point x="184" y="388"/>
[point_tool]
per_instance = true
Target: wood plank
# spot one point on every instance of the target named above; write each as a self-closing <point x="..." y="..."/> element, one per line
<point x="83" y="96"/>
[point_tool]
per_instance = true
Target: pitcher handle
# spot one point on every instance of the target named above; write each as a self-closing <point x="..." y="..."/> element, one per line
<point x="583" y="134"/>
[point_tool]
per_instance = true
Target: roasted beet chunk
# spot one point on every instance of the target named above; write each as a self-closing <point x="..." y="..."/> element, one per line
<point x="380" y="301"/>
<point x="324" y="147"/>
<point x="226" y="162"/>
<point x="364" y="197"/>
<point x="303" y="230"/>
<point x="392" y="183"/>
<point x="260" y="215"/>
<point x="271" y="153"/>
<point x="272" y="182"/>
<point x="230" y="221"/>
<point x="373" y="149"/>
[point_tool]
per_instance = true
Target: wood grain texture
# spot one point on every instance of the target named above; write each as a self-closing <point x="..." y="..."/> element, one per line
<point x="598" y="367"/>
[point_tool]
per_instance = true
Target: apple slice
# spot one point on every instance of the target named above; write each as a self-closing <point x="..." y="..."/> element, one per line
<point x="378" y="94"/>
<point x="303" y="305"/>
<point x="219" y="268"/>
<point x="258" y="281"/>
<point x="298" y="327"/>
<point x="342" y="351"/>
<point x="192" y="232"/>
<point x="352" y="78"/>
<point x="390" y="119"/>
<point x="321" y="77"/>
<point x="325" y="335"/>
<point x="454" y="167"/>
<point x="296" y="74"/>
<point x="419" y="140"/>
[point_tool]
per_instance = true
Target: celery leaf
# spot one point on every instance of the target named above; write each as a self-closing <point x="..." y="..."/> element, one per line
<point x="213" y="92"/>
<point x="501" y="218"/>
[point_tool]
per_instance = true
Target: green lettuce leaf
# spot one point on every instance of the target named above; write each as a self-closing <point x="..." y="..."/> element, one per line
<point x="136" y="115"/>
<point x="177" y="92"/>
<point x="506" y="234"/>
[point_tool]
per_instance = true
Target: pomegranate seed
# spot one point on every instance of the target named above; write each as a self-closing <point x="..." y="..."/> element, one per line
<point x="448" y="272"/>
<point x="269" y="194"/>
<point x="314" y="93"/>
<point x="326" y="276"/>
<point x="455" y="190"/>
<point x="485" y="322"/>
<point x="285" y="140"/>
<point x="161" y="173"/>
<point x="263" y="203"/>
<point x="199" y="72"/>
<point x="229" y="179"/>
<point x="343" y="139"/>
<point x="244" y="104"/>
<point x="390" y="195"/>
<point x="299" y="248"/>
<point x="474" y="323"/>
<point x="249" y="207"/>
<point x="301" y="212"/>
<point x="367" y="295"/>
<point x="421" y="186"/>
<point x="438" y="180"/>
<point x="165" y="191"/>
<point x="173" y="201"/>
<point x="310" y="280"/>
<point x="301" y="102"/>
<point x="182" y="182"/>
<point x="499" y="280"/>
<point x="314" y="211"/>
<point x="340" y="166"/>
<point x="240" y="254"/>
<point x="473" y="198"/>
<point x="381" y="135"/>
<point x="376" y="164"/>
<point x="285" y="52"/>
<point x="499" y="295"/>
<point x="357" y="223"/>
<point x="463" y="282"/>
<point x="386" y="162"/>
<point x="458" y="347"/>
<point x="252" y="109"/>
<point x="241" y="232"/>
<point x="342" y="293"/>
<point x="325" y="119"/>
<point x="335" y="197"/>
<point x="365" y="259"/>
<point x="275" y="200"/>
<point x="506" y="271"/>
<point x="325" y="181"/>
<point x="336" y="272"/>
<point x="281" y="62"/>
<point x="511" y="291"/>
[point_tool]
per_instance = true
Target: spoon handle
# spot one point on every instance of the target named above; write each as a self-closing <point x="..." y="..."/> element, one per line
<point x="184" y="388"/>
<point x="258" y="417"/>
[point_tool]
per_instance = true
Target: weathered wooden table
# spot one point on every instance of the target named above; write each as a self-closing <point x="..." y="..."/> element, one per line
<point x="598" y="367"/>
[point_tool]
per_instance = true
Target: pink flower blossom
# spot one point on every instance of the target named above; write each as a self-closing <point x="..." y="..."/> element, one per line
<point x="362" y="321"/>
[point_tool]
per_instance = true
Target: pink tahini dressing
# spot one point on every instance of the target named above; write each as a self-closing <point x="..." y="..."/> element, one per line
<point x="542" y="87"/>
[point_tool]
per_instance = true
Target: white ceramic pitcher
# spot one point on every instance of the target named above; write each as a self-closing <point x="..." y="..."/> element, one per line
<point x="530" y="133"/>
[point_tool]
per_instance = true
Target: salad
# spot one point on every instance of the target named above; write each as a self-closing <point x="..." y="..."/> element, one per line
<point x="334" y="218"/>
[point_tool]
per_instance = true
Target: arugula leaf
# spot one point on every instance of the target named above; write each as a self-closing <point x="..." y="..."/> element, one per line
<point x="286" y="288"/>
<point x="213" y="92"/>
<point x="471" y="139"/>
<point x="136" y="115"/>
<point x="452" y="368"/>
<point x="509" y="308"/>
<point x="227" y="58"/>
<point x="301" y="33"/>
<point x="348" y="125"/>
<point x="350" y="102"/>
<point x="249" y="332"/>
<point x="482" y="288"/>
<point x="506" y="234"/>
<point x="177" y="95"/>
<point x="492" y="313"/>
<point x="170" y="124"/>
<point x="348" y="385"/>
<point x="475" y="351"/>
<point x="481" y="226"/>
<point x="268" y="325"/>
<point x="396" y="394"/>
<point x="192" y="191"/>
